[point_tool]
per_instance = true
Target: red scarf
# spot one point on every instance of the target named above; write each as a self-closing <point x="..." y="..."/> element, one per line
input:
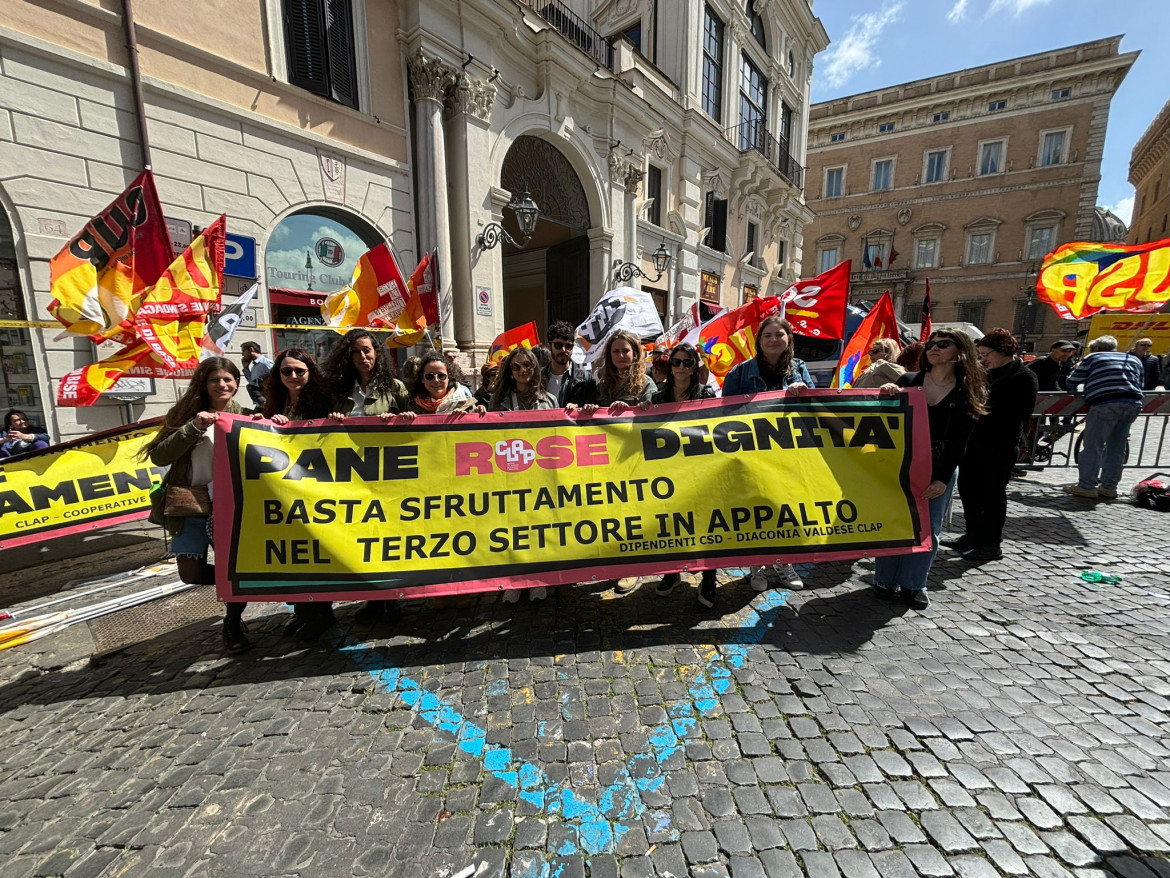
<point x="429" y="405"/>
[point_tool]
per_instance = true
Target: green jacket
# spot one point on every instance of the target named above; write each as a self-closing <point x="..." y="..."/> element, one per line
<point x="175" y="452"/>
<point x="397" y="402"/>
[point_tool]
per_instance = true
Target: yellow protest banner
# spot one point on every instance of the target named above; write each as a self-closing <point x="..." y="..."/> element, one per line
<point x="452" y="504"/>
<point x="82" y="485"/>
<point x="1128" y="328"/>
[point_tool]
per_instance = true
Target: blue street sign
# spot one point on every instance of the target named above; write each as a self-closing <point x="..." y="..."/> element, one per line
<point x="239" y="256"/>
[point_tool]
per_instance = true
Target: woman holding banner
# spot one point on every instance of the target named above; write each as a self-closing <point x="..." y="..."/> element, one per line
<point x="439" y="390"/>
<point x="772" y="368"/>
<point x="956" y="396"/>
<point x="622" y="381"/>
<point x="686" y="385"/>
<point x="184" y="443"/>
<point x="359" y="371"/>
<point x="296" y="391"/>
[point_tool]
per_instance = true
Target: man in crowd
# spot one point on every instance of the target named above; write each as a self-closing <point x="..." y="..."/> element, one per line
<point x="1112" y="385"/>
<point x="256" y="369"/>
<point x="564" y="376"/>
<point x="1053" y="369"/>
<point x="1151" y="365"/>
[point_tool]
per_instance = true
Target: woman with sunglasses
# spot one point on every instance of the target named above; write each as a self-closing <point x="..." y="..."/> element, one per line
<point x="622" y="381"/>
<point x="956" y="395"/>
<point x="882" y="367"/>
<point x="685" y="385"/>
<point x="772" y="368"/>
<point x="296" y="391"/>
<point x="184" y="443"/>
<point x="439" y="390"/>
<point x="362" y="378"/>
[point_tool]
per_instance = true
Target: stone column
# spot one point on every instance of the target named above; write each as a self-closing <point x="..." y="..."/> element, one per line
<point x="429" y="80"/>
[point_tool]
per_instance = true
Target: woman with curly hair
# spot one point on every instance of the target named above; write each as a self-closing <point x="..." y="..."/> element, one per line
<point x="439" y="389"/>
<point x="622" y="381"/>
<point x="360" y="372"/>
<point x="521" y="384"/>
<point x="994" y="448"/>
<point x="956" y="396"/>
<point x="184" y="443"/>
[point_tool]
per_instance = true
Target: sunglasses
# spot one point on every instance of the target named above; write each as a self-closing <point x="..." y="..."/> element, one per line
<point x="683" y="364"/>
<point x="941" y="344"/>
<point x="435" y="376"/>
<point x="561" y="345"/>
<point x="290" y="372"/>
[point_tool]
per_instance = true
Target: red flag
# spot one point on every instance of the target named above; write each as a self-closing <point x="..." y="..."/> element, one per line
<point x="430" y="295"/>
<point x="893" y="256"/>
<point x="924" y="320"/>
<point x="878" y="323"/>
<point x="729" y="340"/>
<point x="375" y="297"/>
<point x="877" y="260"/>
<point x="411" y="323"/>
<point x="816" y="307"/>
<point x="509" y="339"/>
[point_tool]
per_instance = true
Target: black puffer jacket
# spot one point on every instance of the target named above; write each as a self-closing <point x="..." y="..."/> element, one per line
<point x="1011" y="398"/>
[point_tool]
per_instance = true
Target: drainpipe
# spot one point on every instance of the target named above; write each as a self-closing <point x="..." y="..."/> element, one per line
<point x="136" y="79"/>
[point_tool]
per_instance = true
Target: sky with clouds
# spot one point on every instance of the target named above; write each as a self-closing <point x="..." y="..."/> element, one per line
<point x="877" y="43"/>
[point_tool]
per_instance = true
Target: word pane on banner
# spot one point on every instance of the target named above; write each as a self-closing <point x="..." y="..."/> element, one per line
<point x="458" y="504"/>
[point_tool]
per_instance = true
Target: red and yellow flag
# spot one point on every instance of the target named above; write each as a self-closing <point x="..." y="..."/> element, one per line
<point x="510" y="339"/>
<point x="729" y="340"/>
<point x="411" y="323"/>
<point x="100" y="275"/>
<point x="880" y="322"/>
<point x="376" y="294"/>
<point x="1081" y="278"/>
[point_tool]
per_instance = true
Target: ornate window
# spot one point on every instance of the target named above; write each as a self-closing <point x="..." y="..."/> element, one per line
<point x="753" y="100"/>
<point x="712" y="64"/>
<point x="757" y="24"/>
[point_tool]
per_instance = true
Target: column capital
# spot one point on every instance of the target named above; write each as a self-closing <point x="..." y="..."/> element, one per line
<point x="472" y="97"/>
<point x="430" y="78"/>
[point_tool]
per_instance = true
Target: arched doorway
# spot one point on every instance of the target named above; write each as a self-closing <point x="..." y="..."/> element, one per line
<point x="549" y="279"/>
<point x="21" y="387"/>
<point x="311" y="252"/>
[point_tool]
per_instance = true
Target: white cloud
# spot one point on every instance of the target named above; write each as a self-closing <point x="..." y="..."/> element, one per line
<point x="958" y="12"/>
<point x="855" y="51"/>
<point x="1122" y="209"/>
<point x="1015" y="7"/>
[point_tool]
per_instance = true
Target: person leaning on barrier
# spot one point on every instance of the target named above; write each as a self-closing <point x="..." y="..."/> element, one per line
<point x="956" y="395"/>
<point x="883" y="368"/>
<point x="1112" y="385"/>
<point x="564" y="376"/>
<point x="994" y="447"/>
<point x="184" y="443"/>
<point x="772" y="368"/>
<point x="1051" y="371"/>
<point x="296" y="391"/>
<point x="361" y="376"/>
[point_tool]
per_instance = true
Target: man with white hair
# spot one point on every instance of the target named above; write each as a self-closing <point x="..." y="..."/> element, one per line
<point x="1112" y="385"/>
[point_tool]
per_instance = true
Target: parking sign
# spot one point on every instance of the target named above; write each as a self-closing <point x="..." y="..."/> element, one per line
<point x="239" y="256"/>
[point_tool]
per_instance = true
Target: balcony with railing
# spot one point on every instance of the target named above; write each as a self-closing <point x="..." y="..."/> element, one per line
<point x="753" y="136"/>
<point x="576" y="30"/>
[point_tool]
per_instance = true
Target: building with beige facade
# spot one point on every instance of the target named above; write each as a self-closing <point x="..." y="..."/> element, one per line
<point x="968" y="179"/>
<point x="1149" y="172"/>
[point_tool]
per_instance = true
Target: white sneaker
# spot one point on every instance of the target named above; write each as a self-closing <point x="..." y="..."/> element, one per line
<point x="759" y="579"/>
<point x="791" y="578"/>
<point x="537" y="594"/>
<point x="511" y="596"/>
<point x="626" y="585"/>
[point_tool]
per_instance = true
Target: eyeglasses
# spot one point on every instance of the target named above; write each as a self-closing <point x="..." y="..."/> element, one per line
<point x="435" y="376"/>
<point x="290" y="372"/>
<point x="683" y="364"/>
<point x="561" y="345"/>
<point x="873" y="351"/>
<point x="942" y="344"/>
<point x="522" y="367"/>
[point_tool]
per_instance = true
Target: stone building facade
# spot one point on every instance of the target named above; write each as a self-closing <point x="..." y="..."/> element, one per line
<point x="1149" y="172"/>
<point x="968" y="179"/>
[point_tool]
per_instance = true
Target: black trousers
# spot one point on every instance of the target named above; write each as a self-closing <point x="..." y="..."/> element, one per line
<point x="983" y="479"/>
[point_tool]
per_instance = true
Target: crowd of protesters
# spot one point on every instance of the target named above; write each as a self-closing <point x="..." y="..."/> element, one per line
<point x="979" y="397"/>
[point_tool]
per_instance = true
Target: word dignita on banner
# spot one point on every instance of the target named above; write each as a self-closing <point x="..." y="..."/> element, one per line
<point x="452" y="504"/>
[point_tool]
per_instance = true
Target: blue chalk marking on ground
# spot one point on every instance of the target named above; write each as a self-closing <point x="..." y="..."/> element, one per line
<point x="599" y="825"/>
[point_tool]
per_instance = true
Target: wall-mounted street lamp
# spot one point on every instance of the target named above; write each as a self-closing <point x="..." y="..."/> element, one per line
<point x="527" y="213"/>
<point x="627" y="271"/>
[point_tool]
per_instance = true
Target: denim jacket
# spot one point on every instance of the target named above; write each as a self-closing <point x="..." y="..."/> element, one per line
<point x="745" y="378"/>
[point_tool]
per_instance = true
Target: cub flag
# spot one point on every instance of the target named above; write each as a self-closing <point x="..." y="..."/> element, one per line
<point x="623" y="308"/>
<point x="376" y="294"/>
<point x="510" y="339"/>
<point x="1081" y="278"/>
<point x="411" y="323"/>
<point x="730" y="339"/>
<point x="190" y="285"/>
<point x="99" y="277"/>
<point x="816" y="307"/>
<point x="880" y="322"/>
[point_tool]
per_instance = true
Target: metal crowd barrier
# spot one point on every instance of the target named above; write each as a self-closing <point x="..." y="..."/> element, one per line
<point x="1053" y="435"/>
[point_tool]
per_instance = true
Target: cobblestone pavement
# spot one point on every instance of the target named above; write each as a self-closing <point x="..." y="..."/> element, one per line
<point x="1018" y="726"/>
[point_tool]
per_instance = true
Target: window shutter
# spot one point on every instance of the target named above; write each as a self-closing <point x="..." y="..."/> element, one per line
<point x="342" y="70"/>
<point x="304" y="37"/>
<point x="718" y="237"/>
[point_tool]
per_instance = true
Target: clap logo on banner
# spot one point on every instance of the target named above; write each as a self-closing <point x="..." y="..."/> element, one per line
<point x="816" y="307"/>
<point x="1081" y="278"/>
<point x="880" y="322"/>
<point x="623" y="308"/>
<point x="510" y="339"/>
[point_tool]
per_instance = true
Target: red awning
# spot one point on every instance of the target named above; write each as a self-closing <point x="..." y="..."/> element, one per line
<point x="303" y="298"/>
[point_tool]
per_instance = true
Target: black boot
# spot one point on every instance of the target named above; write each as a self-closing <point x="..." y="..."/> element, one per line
<point x="234" y="639"/>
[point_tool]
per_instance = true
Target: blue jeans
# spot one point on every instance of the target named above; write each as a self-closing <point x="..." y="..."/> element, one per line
<point x="1103" y="443"/>
<point x="910" y="571"/>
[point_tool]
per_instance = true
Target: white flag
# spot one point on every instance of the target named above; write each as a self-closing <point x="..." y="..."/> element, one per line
<point x="221" y="325"/>
<point x="623" y="308"/>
